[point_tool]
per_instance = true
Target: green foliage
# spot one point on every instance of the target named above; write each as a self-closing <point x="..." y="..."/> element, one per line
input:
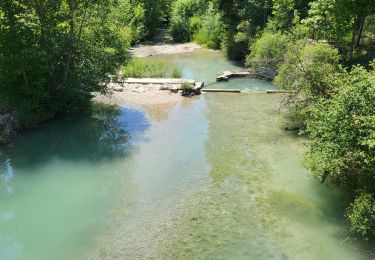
<point x="268" y="51"/>
<point x="210" y="30"/>
<point x="310" y="72"/>
<point x="182" y="12"/>
<point x="53" y="52"/>
<point x="361" y="214"/>
<point x="283" y="14"/>
<point x="187" y="89"/>
<point x="341" y="147"/>
<point x="341" y="133"/>
<point x="325" y="22"/>
<point x="339" y="20"/>
<point x="140" y="68"/>
<point x="155" y="13"/>
<point x="243" y="19"/>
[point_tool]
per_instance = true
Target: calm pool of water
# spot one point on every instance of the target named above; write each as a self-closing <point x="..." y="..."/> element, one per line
<point x="214" y="177"/>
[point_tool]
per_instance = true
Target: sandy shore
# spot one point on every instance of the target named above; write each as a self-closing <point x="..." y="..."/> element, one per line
<point x="145" y="50"/>
<point x="137" y="95"/>
<point x="150" y="98"/>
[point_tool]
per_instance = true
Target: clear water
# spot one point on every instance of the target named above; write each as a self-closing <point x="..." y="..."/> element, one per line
<point x="205" y="65"/>
<point x="214" y="177"/>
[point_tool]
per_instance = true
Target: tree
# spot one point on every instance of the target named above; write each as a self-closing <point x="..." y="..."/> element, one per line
<point x="182" y="13"/>
<point x="341" y="146"/>
<point x="243" y="19"/>
<point x="54" y="52"/>
<point x="310" y="72"/>
<point x="283" y="14"/>
<point x="335" y="19"/>
<point x="268" y="51"/>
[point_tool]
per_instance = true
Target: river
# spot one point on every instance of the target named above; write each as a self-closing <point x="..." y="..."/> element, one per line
<point x="215" y="177"/>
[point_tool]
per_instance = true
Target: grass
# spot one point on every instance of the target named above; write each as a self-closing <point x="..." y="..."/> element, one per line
<point x="142" y="68"/>
<point x="187" y="89"/>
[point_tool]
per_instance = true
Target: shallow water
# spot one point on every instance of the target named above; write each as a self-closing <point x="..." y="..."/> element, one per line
<point x="205" y="65"/>
<point x="214" y="177"/>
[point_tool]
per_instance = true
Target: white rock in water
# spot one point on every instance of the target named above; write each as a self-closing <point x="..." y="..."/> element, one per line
<point x="118" y="89"/>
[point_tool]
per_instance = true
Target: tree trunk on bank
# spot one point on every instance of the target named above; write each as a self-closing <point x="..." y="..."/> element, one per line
<point x="356" y="34"/>
<point x="362" y="23"/>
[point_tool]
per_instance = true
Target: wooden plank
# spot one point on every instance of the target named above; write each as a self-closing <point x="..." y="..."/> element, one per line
<point x="221" y="90"/>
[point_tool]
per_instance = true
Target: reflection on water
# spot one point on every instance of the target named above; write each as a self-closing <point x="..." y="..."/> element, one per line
<point x="56" y="182"/>
<point x="105" y="134"/>
<point x="6" y="175"/>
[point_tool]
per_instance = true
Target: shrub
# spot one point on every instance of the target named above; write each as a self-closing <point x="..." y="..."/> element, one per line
<point x="187" y="89"/>
<point x="341" y="146"/>
<point x="210" y="30"/>
<point x="141" y="68"/>
<point x="268" y="51"/>
<point x="361" y="214"/>
<point x="183" y="22"/>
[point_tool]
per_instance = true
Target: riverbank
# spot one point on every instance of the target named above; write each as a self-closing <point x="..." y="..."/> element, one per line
<point x="138" y="95"/>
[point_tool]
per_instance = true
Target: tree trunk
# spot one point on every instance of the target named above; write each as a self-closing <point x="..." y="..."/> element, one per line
<point x="352" y="43"/>
<point x="362" y="23"/>
<point x="26" y="81"/>
<point x="356" y="33"/>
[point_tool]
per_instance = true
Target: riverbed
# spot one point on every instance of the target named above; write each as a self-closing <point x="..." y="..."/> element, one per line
<point x="209" y="177"/>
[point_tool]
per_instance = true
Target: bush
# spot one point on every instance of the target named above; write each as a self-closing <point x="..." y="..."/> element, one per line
<point x="309" y="68"/>
<point x="185" y="18"/>
<point x="361" y="215"/>
<point x="310" y="72"/>
<point x="268" y="51"/>
<point x="210" y="30"/>
<point x="50" y="67"/>
<point x="187" y="89"/>
<point x="141" y="68"/>
<point x="341" y="146"/>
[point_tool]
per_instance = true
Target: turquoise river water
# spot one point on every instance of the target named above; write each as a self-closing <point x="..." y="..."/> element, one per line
<point x="215" y="177"/>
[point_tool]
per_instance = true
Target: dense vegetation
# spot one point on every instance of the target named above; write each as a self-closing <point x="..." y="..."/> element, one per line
<point x="54" y="52"/>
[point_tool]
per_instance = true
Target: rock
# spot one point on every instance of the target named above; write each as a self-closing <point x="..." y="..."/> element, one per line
<point x="118" y="89"/>
<point x="9" y="124"/>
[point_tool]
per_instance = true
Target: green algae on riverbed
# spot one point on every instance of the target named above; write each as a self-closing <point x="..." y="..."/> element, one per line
<point x="261" y="203"/>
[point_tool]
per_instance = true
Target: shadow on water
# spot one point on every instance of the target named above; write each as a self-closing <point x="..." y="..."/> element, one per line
<point x="106" y="133"/>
